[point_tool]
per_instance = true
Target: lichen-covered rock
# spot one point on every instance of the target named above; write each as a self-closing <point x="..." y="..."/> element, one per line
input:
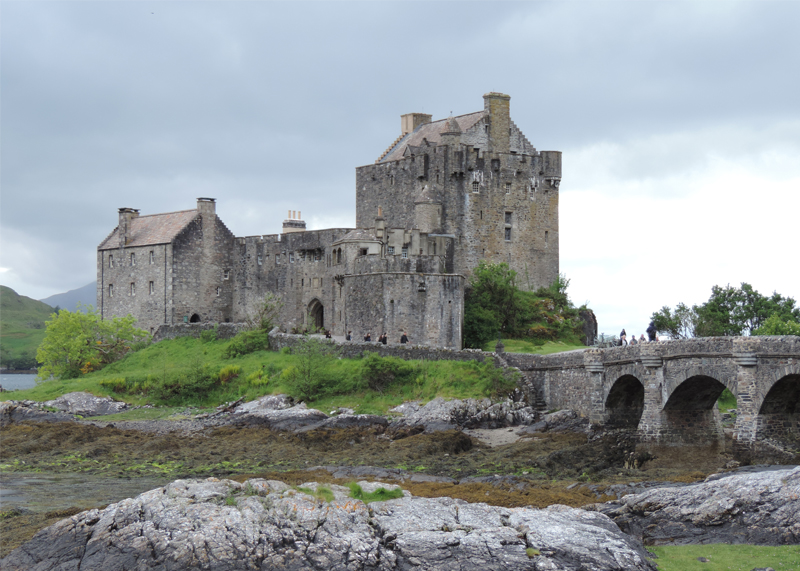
<point x="441" y="414"/>
<point x="86" y="404"/>
<point x="15" y="411"/>
<point x="223" y="525"/>
<point x="760" y="507"/>
<point x="291" y="418"/>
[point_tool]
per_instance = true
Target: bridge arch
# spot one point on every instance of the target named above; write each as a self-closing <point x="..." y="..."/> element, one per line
<point x="779" y="413"/>
<point x="690" y="413"/>
<point x="624" y="403"/>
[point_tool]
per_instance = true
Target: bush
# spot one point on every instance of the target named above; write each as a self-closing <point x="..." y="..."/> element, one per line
<point x="209" y="335"/>
<point x="380" y="372"/>
<point x="193" y="385"/>
<point x="229" y="372"/>
<point x="245" y="343"/>
<point x="305" y="379"/>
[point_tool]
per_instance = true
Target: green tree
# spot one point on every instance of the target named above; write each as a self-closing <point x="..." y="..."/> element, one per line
<point x="76" y="343"/>
<point x="305" y="378"/>
<point x="680" y="324"/>
<point x="774" y="325"/>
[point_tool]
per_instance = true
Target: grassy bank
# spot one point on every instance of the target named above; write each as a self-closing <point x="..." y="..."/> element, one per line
<point x="188" y="372"/>
<point x="720" y="556"/>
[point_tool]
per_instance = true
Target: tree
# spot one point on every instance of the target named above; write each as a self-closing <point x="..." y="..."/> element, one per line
<point x="76" y="343"/>
<point x="304" y="378"/>
<point x="777" y="326"/>
<point x="729" y="311"/>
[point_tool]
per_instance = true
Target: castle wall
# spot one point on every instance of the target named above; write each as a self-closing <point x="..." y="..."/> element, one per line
<point x="140" y="285"/>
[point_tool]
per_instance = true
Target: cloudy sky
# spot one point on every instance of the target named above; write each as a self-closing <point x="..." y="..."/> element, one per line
<point x="679" y="124"/>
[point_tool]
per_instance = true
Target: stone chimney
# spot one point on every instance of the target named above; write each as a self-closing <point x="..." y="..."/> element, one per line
<point x="497" y="108"/>
<point x="207" y="206"/>
<point x="294" y="223"/>
<point x="125" y="217"/>
<point x="411" y="121"/>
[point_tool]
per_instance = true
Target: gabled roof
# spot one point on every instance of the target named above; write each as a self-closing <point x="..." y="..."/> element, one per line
<point x="357" y="235"/>
<point x="432" y="133"/>
<point x="152" y="229"/>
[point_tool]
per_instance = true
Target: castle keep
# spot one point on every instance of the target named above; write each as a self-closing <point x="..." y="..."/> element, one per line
<point x="445" y="195"/>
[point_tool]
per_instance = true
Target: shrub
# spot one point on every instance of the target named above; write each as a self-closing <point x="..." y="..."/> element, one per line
<point x="193" y="385"/>
<point x="209" y="335"/>
<point x="380" y="372"/>
<point x="115" y="385"/>
<point x="229" y="372"/>
<point x="247" y="342"/>
<point x="304" y="379"/>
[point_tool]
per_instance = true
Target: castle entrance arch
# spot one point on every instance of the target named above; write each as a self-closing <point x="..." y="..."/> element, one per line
<point x="625" y="403"/>
<point x="779" y="415"/>
<point x="316" y="314"/>
<point x="194" y="318"/>
<point x="691" y="414"/>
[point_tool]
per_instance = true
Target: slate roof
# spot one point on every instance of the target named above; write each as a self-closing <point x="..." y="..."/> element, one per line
<point x="357" y="235"/>
<point x="151" y="229"/>
<point x="432" y="132"/>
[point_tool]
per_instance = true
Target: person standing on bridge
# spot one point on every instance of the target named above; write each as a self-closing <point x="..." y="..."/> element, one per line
<point x="623" y="337"/>
<point x="642" y="339"/>
<point x="651" y="332"/>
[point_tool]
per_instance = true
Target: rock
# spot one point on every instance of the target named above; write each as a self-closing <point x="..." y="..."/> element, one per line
<point x="86" y="404"/>
<point x="557" y="421"/>
<point x="292" y="418"/>
<point x="14" y="411"/>
<point x="220" y="524"/>
<point x="369" y="421"/>
<point x="440" y="414"/>
<point x="267" y="403"/>
<point x="761" y="508"/>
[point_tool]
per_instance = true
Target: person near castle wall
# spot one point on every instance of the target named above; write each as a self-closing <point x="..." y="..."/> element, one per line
<point x="642" y="339"/>
<point x="404" y="338"/>
<point x="349" y="336"/>
<point x="623" y="337"/>
<point x="633" y="340"/>
<point x="383" y="339"/>
<point x="651" y="331"/>
<point x="368" y="337"/>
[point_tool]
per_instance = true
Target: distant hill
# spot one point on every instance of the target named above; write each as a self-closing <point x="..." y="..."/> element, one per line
<point x="21" y="328"/>
<point x="87" y="295"/>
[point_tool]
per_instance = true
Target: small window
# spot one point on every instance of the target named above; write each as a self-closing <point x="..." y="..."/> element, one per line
<point x="152" y="257"/>
<point x="404" y="252"/>
<point x="508" y="234"/>
<point x="110" y="261"/>
<point x="363" y="252"/>
<point x="260" y="260"/>
<point x="339" y="256"/>
<point x="302" y="282"/>
<point x="133" y="289"/>
<point x="152" y="288"/>
<point x="508" y="188"/>
<point x="226" y="274"/>
<point x="110" y="290"/>
<point x="133" y="259"/>
<point x="545" y="237"/>
<point x="291" y="257"/>
<point x="219" y="291"/>
<point x="433" y="247"/>
<point x="508" y="217"/>
<point x="476" y="186"/>
<point x="390" y="250"/>
<point x="277" y="259"/>
<point x="316" y="255"/>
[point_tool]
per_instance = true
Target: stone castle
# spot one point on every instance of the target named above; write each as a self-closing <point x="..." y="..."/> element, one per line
<point x="444" y="195"/>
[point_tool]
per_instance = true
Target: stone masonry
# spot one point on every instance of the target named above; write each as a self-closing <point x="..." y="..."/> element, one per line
<point x="445" y="195"/>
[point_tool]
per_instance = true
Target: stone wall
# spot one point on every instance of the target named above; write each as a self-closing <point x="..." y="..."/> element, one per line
<point x="224" y="330"/>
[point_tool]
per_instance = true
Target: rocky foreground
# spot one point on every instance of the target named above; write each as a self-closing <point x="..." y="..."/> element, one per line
<point x="220" y="524"/>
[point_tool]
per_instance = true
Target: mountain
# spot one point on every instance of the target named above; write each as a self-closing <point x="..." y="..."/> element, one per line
<point x="21" y="328"/>
<point x="87" y="295"/>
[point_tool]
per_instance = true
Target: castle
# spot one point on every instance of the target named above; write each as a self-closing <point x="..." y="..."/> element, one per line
<point x="444" y="195"/>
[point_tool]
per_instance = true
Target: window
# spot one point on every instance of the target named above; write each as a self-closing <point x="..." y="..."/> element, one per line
<point x="133" y="289"/>
<point x="291" y="257"/>
<point x="476" y="186"/>
<point x="404" y="252"/>
<point x="363" y="252"/>
<point x="508" y="188"/>
<point x="110" y="261"/>
<point x="110" y="290"/>
<point x="152" y="288"/>
<point x="219" y="291"/>
<point x="433" y="247"/>
<point x="339" y="256"/>
<point x="390" y="250"/>
<point x="316" y="255"/>
<point x="545" y="237"/>
<point x="508" y="217"/>
<point x="152" y="257"/>
<point x="133" y="259"/>
<point x="302" y="282"/>
<point x="508" y="234"/>
<point x="226" y="274"/>
<point x="277" y="259"/>
<point x="260" y="259"/>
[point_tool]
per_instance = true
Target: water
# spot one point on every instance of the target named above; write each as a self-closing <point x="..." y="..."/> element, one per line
<point x="52" y="492"/>
<point x="17" y="382"/>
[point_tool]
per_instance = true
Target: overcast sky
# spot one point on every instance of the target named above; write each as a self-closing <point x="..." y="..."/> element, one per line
<point x="679" y="124"/>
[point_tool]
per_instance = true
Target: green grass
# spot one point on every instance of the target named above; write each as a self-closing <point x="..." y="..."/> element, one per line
<point x="724" y="557"/>
<point x="379" y="495"/>
<point x="156" y="413"/>
<point x="726" y="401"/>
<point x="321" y="493"/>
<point x="343" y="383"/>
<point x="528" y="346"/>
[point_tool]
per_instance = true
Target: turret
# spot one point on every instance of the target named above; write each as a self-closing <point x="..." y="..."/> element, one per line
<point x="497" y="107"/>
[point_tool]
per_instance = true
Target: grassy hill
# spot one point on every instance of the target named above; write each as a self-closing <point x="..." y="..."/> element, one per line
<point x="21" y="328"/>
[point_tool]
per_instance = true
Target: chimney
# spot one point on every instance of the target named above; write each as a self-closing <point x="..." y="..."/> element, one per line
<point x="207" y="206"/>
<point x="293" y="223"/>
<point x="125" y="217"/>
<point x="497" y="107"/>
<point x="411" y="121"/>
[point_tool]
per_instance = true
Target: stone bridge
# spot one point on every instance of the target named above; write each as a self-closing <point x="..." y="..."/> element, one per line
<point x="668" y="391"/>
